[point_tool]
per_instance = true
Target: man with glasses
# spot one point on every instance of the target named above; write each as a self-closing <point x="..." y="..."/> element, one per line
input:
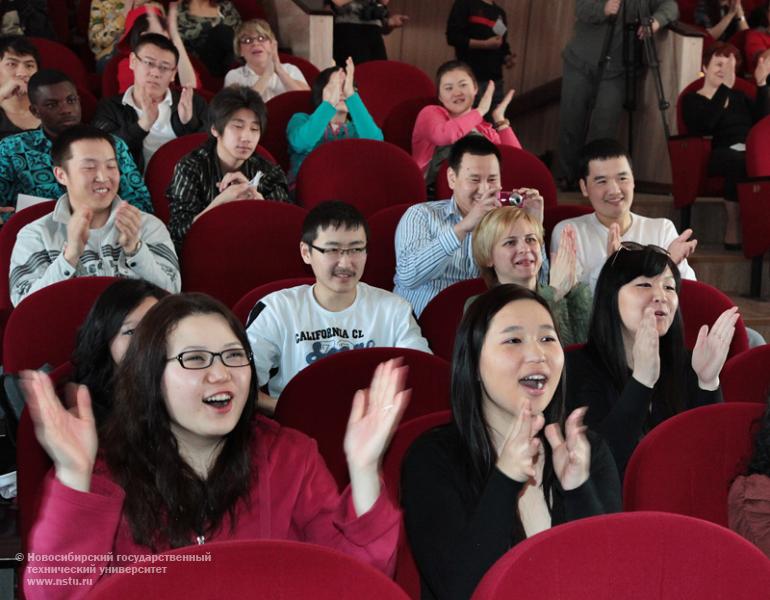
<point x="149" y="114"/>
<point x="292" y="328"/>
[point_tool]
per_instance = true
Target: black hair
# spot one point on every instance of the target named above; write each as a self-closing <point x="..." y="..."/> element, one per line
<point x="92" y="360"/>
<point x="61" y="149"/>
<point x="466" y="388"/>
<point x="231" y="99"/>
<point x="157" y="40"/>
<point x="19" y="45"/>
<point x="140" y="26"/>
<point x="601" y="149"/>
<point x="335" y="214"/>
<point x="605" y="333"/>
<point x="454" y="65"/>
<point x="43" y="78"/>
<point x="475" y="145"/>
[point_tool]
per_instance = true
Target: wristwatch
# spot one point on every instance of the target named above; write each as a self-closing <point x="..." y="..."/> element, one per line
<point x="135" y="252"/>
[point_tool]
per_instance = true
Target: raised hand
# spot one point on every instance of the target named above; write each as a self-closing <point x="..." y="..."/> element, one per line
<point x="395" y="21"/>
<point x="762" y="69"/>
<point x="128" y="222"/>
<point x="532" y="202"/>
<point x="12" y="87"/>
<point x="185" y="107"/>
<point x="333" y="89"/>
<point x="348" y="87"/>
<point x="682" y="246"/>
<point x="571" y="452"/>
<point x="499" y="113"/>
<point x="730" y="70"/>
<point x="78" y="230"/>
<point x="68" y="436"/>
<point x="563" y="275"/>
<point x="520" y="448"/>
<point x="613" y="239"/>
<point x="711" y="348"/>
<point x="486" y="100"/>
<point x="646" y="350"/>
<point x="150" y="109"/>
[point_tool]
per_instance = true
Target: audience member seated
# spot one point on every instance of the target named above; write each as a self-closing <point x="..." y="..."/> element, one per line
<point x="225" y="168"/>
<point x="207" y="28"/>
<point x="149" y="114"/>
<point x="512" y="463"/>
<point x="607" y="180"/>
<point x="292" y="328"/>
<point x="91" y="230"/>
<point x="757" y="41"/>
<point x="339" y="114"/>
<point x="748" y="504"/>
<point x="18" y="62"/>
<point x="726" y="114"/>
<point x="507" y="246"/>
<point x="635" y="371"/>
<point x="150" y="19"/>
<point x="104" y="337"/>
<point x="438" y="127"/>
<point x="257" y="47"/>
<point x="105" y="26"/>
<point x="190" y="461"/>
<point x="721" y="18"/>
<point x="26" y="167"/>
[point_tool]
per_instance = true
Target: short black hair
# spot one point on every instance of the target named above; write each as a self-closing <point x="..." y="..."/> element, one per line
<point x="231" y="99"/>
<point x="475" y="145"/>
<point x="601" y="149"/>
<point x="158" y="40"/>
<point x="61" y="149"/>
<point x="332" y="213"/>
<point x="43" y="78"/>
<point x="20" y="46"/>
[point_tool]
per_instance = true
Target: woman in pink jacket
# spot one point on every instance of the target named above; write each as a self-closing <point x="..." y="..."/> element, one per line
<point x="439" y="126"/>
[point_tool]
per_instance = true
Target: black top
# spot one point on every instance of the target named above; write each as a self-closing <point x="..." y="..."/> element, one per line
<point x="728" y="124"/>
<point x="456" y="535"/>
<point x="8" y="127"/>
<point x="622" y="418"/>
<point x="475" y="19"/>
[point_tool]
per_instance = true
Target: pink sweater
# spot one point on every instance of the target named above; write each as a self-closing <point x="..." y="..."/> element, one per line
<point x="434" y="128"/>
<point x="294" y="497"/>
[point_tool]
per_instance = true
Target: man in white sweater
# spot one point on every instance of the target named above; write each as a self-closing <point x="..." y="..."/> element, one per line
<point x="292" y="328"/>
<point x="607" y="180"/>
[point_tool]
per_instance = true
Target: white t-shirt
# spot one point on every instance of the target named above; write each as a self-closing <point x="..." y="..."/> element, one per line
<point x="289" y="330"/>
<point x="591" y="238"/>
<point x="245" y="76"/>
<point x="161" y="131"/>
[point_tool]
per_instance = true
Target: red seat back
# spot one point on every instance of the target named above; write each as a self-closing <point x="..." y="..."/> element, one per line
<point x="309" y="70"/>
<point x="383" y="84"/>
<point x="754" y="197"/>
<point x="243" y="307"/>
<point x="646" y="555"/>
<point x="279" y="110"/>
<point x="441" y="317"/>
<point x="240" y="245"/>
<point x="381" y="254"/>
<point x="758" y="149"/>
<point x="368" y="174"/>
<point x="399" y="123"/>
<point x="317" y="400"/>
<point x="746" y="376"/>
<point x="687" y="463"/>
<point x="255" y="568"/>
<point x="54" y="55"/>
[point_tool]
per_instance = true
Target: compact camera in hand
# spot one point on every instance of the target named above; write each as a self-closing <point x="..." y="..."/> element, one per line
<point x="511" y="198"/>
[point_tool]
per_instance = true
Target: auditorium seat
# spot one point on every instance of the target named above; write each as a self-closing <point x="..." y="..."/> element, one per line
<point x="383" y="84"/>
<point x="279" y="110"/>
<point x="746" y="376"/>
<point x="381" y="254"/>
<point x="243" y="307"/>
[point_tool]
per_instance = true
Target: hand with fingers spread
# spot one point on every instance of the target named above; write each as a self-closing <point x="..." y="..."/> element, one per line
<point x="128" y="221"/>
<point x="646" y="350"/>
<point x="520" y="449"/>
<point x="571" y="451"/>
<point x="485" y="104"/>
<point x="682" y="247"/>
<point x="563" y="276"/>
<point x="67" y="435"/>
<point x="498" y="115"/>
<point x="613" y="239"/>
<point x="711" y="348"/>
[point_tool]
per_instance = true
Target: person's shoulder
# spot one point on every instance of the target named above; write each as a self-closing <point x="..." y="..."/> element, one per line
<point x="442" y="443"/>
<point x="286" y="298"/>
<point x="271" y="439"/>
<point x="432" y="111"/>
<point x="579" y="222"/>
<point x="432" y="207"/>
<point x="293" y="70"/>
<point x="382" y="297"/>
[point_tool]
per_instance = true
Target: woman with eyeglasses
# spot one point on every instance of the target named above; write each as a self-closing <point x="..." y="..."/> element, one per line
<point x="513" y="461"/>
<point x="635" y="371"/>
<point x="185" y="459"/>
<point x="262" y="71"/>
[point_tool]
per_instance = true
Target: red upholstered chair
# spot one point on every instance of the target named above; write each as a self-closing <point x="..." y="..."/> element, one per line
<point x="240" y="245"/>
<point x="441" y="317"/>
<point x="59" y="19"/>
<point x="687" y="463"/>
<point x="256" y="568"/>
<point x="634" y="556"/>
<point x="407" y="575"/>
<point x="279" y="110"/>
<point x="317" y="400"/>
<point x="556" y="214"/>
<point x="309" y="70"/>
<point x="746" y="376"/>
<point x="250" y="9"/>
<point x="399" y="123"/>
<point x="369" y="174"/>
<point x="383" y="84"/>
<point x="701" y="304"/>
<point x="381" y="254"/>
<point x="243" y="307"/>
<point x="54" y="55"/>
<point x="34" y="337"/>
<point x="518" y="168"/>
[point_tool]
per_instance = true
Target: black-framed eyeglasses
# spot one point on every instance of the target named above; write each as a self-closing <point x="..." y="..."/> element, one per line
<point x="636" y="246"/>
<point x="250" y="39"/>
<point x="203" y="359"/>
<point x="339" y="252"/>
<point x="151" y="64"/>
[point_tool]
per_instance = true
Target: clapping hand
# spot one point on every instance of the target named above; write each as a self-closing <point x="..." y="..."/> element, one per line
<point x="185" y="107"/>
<point x="128" y="222"/>
<point x="485" y="104"/>
<point x="78" y="231"/>
<point x="682" y="247"/>
<point x="646" y="350"/>
<point x="613" y="239"/>
<point x="711" y="348"/>
<point x="571" y="452"/>
<point x="762" y="69"/>
<point x="332" y="91"/>
<point x="499" y="113"/>
<point x="564" y="265"/>
<point x="519" y="450"/>
<point x="348" y="87"/>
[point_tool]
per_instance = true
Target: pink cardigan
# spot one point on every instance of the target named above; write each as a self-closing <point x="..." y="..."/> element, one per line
<point x="434" y="127"/>
<point x="294" y="497"/>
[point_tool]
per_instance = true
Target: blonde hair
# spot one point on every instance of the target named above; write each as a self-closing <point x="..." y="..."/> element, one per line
<point x="489" y="231"/>
<point x="258" y="26"/>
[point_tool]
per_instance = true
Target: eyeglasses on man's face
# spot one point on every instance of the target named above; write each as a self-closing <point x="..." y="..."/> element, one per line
<point x="335" y="253"/>
<point x="247" y="40"/>
<point x="203" y="359"/>
<point x="162" y="68"/>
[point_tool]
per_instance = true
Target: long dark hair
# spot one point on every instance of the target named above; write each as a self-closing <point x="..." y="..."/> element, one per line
<point x="759" y="463"/>
<point x="605" y="335"/>
<point x="92" y="361"/>
<point x="167" y="503"/>
<point x="466" y="392"/>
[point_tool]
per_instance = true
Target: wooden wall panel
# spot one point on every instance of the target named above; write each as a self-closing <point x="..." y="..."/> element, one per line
<point x="549" y="30"/>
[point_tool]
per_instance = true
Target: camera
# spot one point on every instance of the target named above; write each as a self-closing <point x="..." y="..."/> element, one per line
<point x="373" y="11"/>
<point x="511" y="198"/>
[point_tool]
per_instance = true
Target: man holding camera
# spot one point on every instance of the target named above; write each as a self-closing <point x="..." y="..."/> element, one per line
<point x="358" y="29"/>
